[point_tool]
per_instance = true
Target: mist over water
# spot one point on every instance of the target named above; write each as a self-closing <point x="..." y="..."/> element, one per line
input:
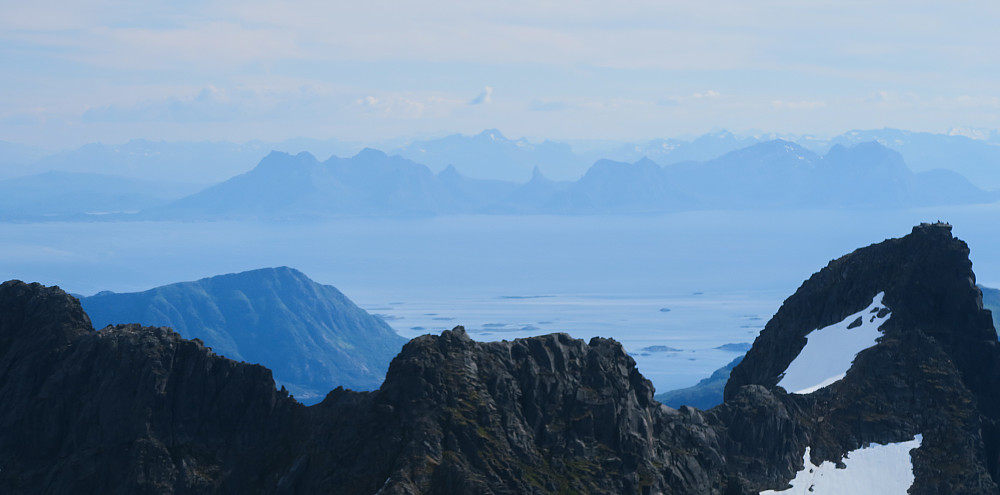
<point x="721" y="274"/>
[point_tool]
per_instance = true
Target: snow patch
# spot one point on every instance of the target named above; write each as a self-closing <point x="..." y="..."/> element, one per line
<point x="829" y="351"/>
<point x="883" y="469"/>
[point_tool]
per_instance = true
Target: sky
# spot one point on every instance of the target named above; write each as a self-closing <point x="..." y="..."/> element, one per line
<point x="109" y="70"/>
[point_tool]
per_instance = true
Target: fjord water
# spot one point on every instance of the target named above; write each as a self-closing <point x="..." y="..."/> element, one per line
<point x="721" y="274"/>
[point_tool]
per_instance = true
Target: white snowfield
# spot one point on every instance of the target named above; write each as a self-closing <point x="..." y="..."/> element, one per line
<point x="829" y="351"/>
<point x="876" y="469"/>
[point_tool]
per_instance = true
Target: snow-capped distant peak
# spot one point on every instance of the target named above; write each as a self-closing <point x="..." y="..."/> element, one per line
<point x="872" y="469"/>
<point x="830" y="351"/>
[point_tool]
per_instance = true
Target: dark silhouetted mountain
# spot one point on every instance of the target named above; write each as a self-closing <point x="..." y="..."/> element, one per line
<point x="705" y="394"/>
<point x="929" y="363"/>
<point x="490" y="155"/>
<point x="310" y="335"/>
<point x="68" y="195"/>
<point x="128" y="409"/>
<point x="135" y="409"/>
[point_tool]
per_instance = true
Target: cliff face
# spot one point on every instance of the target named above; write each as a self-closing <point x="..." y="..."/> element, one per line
<point x="128" y="409"/>
<point x="140" y="410"/>
<point x="540" y="415"/>
<point x="933" y="370"/>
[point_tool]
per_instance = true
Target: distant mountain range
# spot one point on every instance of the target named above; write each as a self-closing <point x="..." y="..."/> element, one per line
<point x="699" y="149"/>
<point x="490" y="155"/>
<point x="771" y="175"/>
<point x="310" y="335"/>
<point x="489" y="173"/>
<point x="976" y="159"/>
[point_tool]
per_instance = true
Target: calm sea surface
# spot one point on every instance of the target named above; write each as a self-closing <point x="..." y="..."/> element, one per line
<point x="687" y="282"/>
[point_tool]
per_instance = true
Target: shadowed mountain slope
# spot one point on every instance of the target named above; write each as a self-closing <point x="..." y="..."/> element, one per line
<point x="310" y="335"/>
<point x="705" y="394"/>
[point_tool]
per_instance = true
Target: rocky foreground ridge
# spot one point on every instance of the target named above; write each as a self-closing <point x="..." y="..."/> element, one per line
<point x="140" y="410"/>
<point x="311" y="336"/>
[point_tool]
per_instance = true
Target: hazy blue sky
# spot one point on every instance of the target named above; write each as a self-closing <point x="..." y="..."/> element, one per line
<point x="107" y="70"/>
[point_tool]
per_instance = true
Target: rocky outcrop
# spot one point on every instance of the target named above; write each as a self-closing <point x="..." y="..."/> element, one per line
<point x="139" y="410"/>
<point x="128" y="409"/>
<point x="933" y="371"/>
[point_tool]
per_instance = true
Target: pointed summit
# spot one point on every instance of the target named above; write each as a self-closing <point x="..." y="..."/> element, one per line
<point x="888" y="344"/>
<point x="919" y="274"/>
<point x="537" y="176"/>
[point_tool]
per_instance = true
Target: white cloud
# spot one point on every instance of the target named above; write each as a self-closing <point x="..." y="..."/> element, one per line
<point x="484" y="98"/>
<point x="604" y="66"/>
<point x="978" y="101"/>
<point x="214" y="104"/>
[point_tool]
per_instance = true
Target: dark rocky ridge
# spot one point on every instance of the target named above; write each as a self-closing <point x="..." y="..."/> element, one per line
<point x="935" y="370"/>
<point x="139" y="410"/>
<point x="129" y="409"/>
<point x="310" y="335"/>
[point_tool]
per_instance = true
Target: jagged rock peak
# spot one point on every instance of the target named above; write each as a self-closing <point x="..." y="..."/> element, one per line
<point x="918" y="273"/>
<point x="883" y="345"/>
<point x="45" y="311"/>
